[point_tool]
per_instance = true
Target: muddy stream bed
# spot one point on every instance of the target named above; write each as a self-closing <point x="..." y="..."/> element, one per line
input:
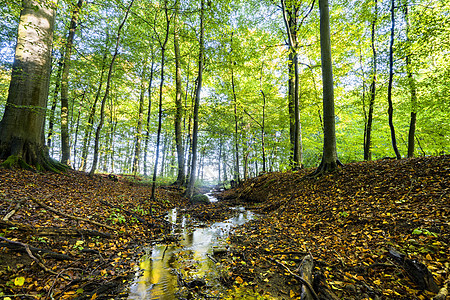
<point x="187" y="266"/>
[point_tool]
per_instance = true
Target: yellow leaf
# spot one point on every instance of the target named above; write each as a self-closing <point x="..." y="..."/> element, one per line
<point x="94" y="296"/>
<point x="291" y="294"/>
<point x="429" y="257"/>
<point x="239" y="280"/>
<point x="19" y="281"/>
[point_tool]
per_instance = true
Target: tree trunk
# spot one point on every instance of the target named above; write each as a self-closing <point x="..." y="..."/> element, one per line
<point x="179" y="105"/>
<point x="391" y="76"/>
<point x="290" y="15"/>
<point x="236" y="120"/>
<point x="412" y="86"/>
<point x="161" y="85"/>
<point x="105" y="97"/>
<point x="149" y="113"/>
<point x="329" y="157"/>
<point x="368" y="132"/>
<point x="90" y="123"/>
<point x="51" y="121"/>
<point x="77" y="128"/>
<point x="190" y="188"/>
<point x="22" y="138"/>
<point x="137" y="143"/>
<point x="65" y="147"/>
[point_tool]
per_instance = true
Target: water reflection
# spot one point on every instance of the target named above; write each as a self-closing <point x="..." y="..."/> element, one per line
<point x="157" y="275"/>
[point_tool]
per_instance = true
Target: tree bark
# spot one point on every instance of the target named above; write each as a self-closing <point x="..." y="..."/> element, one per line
<point x="412" y="87"/>
<point x="149" y="113"/>
<point x="22" y="136"/>
<point x="51" y="121"/>
<point x="105" y="97"/>
<point x="192" y="178"/>
<point x="391" y="76"/>
<point x="137" y="143"/>
<point x="329" y="157"/>
<point x="161" y="85"/>
<point x="65" y="147"/>
<point x="368" y="132"/>
<point x="90" y="123"/>
<point x="179" y="106"/>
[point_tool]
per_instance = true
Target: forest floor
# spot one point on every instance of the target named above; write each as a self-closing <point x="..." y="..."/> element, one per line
<point x="354" y="223"/>
<point x="93" y="227"/>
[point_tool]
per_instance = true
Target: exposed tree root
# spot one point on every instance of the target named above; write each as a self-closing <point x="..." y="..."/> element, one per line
<point x="52" y="231"/>
<point x="324" y="168"/>
<point x="70" y="216"/>
<point x="30" y="254"/>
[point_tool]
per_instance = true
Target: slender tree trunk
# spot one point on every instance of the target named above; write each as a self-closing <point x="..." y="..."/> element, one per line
<point x="412" y="87"/>
<point x="105" y="97"/>
<point x="391" y="76"/>
<point x="290" y="16"/>
<point x="263" y="135"/>
<point x="329" y="157"/>
<point x="77" y="128"/>
<point x="149" y="113"/>
<point x="236" y="120"/>
<point x="137" y="143"/>
<point x="65" y="147"/>
<point x="179" y="105"/>
<point x="161" y="85"/>
<point x="368" y="132"/>
<point x="22" y="138"/>
<point x="51" y="121"/>
<point x="90" y="123"/>
<point x="190" y="188"/>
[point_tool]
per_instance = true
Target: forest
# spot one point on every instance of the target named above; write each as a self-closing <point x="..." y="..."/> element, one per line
<point x="233" y="149"/>
<point x="130" y="82"/>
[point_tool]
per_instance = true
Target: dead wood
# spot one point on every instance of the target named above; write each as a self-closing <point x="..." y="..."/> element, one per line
<point x="417" y="271"/>
<point x="443" y="293"/>
<point x="51" y="231"/>
<point x="305" y="271"/>
<point x="14" y="210"/>
<point x="299" y="278"/>
<point x="322" y="288"/>
<point x="17" y="246"/>
<point x="30" y="254"/>
<point x="40" y="203"/>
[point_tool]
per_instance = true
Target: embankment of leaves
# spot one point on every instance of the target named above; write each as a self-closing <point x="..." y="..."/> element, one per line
<point x="91" y="265"/>
<point x="348" y="221"/>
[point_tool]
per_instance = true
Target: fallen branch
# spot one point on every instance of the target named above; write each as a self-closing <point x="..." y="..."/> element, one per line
<point x="30" y="254"/>
<point x="37" y="251"/>
<point x="299" y="278"/>
<point x="49" y="231"/>
<point x="417" y="271"/>
<point x="40" y="203"/>
<point x="13" y="211"/>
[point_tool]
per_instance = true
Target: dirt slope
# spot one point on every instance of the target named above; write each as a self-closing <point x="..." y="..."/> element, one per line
<point x="348" y="221"/>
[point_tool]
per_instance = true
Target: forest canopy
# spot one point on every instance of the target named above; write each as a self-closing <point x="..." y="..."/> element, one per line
<point x="128" y="71"/>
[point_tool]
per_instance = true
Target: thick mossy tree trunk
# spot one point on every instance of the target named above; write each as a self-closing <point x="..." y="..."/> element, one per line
<point x="22" y="139"/>
<point x="329" y="157"/>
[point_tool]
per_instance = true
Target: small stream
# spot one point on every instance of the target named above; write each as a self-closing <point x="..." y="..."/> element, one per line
<point x="165" y="268"/>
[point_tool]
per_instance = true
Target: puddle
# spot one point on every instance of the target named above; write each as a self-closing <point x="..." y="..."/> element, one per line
<point x="165" y="267"/>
